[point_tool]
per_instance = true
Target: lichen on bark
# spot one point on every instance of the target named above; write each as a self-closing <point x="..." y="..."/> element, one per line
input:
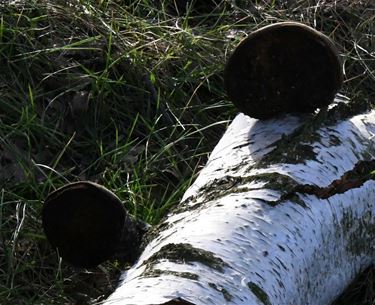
<point x="359" y="232"/>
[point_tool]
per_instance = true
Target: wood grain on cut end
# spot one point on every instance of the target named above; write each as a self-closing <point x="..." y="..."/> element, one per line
<point x="84" y="221"/>
<point x="286" y="67"/>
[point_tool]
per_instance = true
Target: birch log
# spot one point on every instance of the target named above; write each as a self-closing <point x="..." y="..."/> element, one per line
<point x="281" y="214"/>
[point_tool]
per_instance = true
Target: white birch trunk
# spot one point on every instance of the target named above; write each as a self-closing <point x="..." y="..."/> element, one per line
<point x="237" y="238"/>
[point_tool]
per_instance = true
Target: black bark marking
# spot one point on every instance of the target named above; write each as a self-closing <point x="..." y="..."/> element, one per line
<point x="259" y="293"/>
<point x="186" y="253"/>
<point x="151" y="272"/>
<point x="227" y="296"/>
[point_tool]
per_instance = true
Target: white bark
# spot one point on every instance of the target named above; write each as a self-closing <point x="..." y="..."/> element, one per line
<point x="243" y="243"/>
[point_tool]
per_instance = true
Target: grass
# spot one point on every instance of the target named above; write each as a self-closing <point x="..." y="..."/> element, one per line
<point x="128" y="94"/>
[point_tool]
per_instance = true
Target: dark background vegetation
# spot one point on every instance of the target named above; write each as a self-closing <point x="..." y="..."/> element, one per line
<point x="129" y="94"/>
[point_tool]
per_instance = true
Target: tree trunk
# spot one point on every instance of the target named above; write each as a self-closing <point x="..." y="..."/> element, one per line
<point x="281" y="214"/>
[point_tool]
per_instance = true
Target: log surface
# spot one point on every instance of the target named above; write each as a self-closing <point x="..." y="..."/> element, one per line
<point x="247" y="232"/>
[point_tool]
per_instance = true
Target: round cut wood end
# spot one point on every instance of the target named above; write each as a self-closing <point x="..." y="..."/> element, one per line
<point x="84" y="221"/>
<point x="286" y="67"/>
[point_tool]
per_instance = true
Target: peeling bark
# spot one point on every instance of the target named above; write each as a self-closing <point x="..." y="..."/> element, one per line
<point x="281" y="214"/>
<point x="362" y="172"/>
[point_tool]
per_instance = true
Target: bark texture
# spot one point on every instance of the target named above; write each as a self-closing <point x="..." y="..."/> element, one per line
<point x="282" y="214"/>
